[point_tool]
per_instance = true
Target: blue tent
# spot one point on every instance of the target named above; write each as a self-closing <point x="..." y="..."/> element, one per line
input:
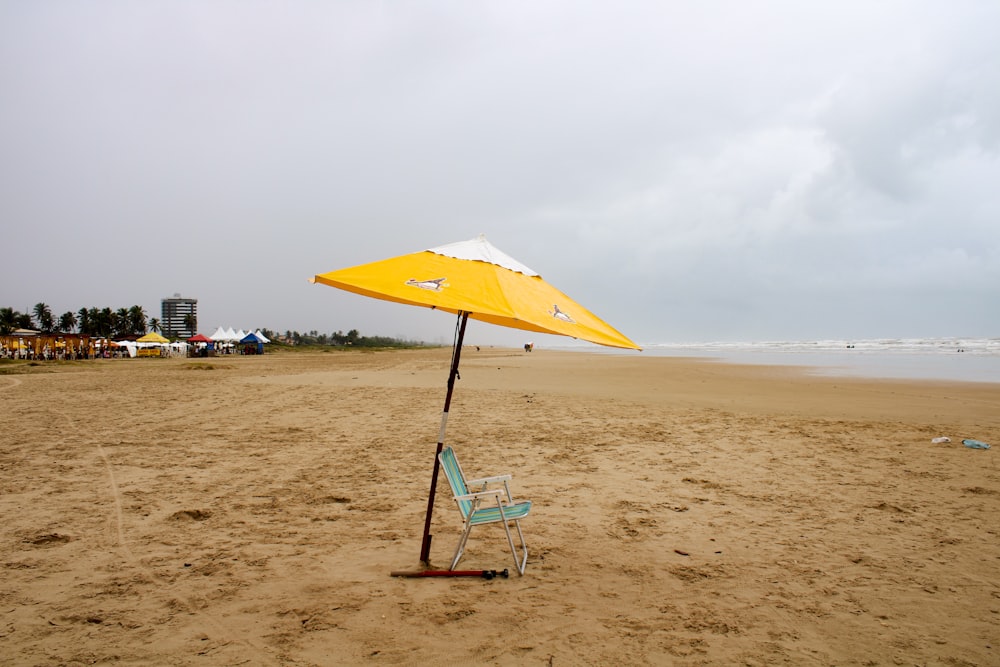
<point x="252" y="339"/>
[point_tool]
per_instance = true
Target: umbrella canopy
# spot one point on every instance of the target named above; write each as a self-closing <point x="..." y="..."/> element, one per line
<point x="199" y="338"/>
<point x="152" y="337"/>
<point x="473" y="279"/>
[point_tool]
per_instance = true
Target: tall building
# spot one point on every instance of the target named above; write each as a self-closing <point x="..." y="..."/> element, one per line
<point x="178" y="317"/>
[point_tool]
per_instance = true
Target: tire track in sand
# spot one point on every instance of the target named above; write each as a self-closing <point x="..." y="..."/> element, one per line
<point x="226" y="635"/>
<point x="14" y="383"/>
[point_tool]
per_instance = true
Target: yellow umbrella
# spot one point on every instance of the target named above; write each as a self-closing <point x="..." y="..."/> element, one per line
<point x="473" y="279"/>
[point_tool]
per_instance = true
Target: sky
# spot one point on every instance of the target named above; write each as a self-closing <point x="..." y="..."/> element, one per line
<point x="710" y="171"/>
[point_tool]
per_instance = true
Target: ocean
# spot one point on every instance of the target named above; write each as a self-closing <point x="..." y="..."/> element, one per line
<point x="958" y="359"/>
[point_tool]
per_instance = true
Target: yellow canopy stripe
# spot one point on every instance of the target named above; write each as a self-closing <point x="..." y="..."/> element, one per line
<point x="152" y="337"/>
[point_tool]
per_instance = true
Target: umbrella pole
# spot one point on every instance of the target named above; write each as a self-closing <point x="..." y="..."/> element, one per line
<point x="425" y="546"/>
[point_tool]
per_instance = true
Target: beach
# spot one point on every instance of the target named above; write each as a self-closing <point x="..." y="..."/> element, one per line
<point x="250" y="510"/>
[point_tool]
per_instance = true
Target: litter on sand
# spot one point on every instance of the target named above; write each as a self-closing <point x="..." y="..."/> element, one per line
<point x="938" y="441"/>
<point x="975" y="444"/>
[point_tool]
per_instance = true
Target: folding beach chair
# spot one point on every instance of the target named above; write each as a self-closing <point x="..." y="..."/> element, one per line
<point x="480" y="505"/>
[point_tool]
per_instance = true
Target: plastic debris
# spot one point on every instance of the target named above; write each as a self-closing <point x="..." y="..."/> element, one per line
<point x="975" y="444"/>
<point x="938" y="441"/>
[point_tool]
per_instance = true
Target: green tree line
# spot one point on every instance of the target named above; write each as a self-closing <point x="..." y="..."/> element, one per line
<point x="352" y="338"/>
<point x="122" y="322"/>
<point x="91" y="321"/>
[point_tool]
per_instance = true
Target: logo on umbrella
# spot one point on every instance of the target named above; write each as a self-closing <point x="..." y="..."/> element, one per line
<point x="433" y="285"/>
<point x="560" y="315"/>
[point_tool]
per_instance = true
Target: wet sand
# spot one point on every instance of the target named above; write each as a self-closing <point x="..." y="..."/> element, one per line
<point x="249" y="510"/>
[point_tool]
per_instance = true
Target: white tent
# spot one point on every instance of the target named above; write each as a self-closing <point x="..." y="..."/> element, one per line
<point x="262" y="337"/>
<point x="219" y="335"/>
<point x="130" y="346"/>
<point x="178" y="349"/>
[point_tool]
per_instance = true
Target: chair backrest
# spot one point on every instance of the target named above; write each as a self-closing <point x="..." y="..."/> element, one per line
<point x="453" y="471"/>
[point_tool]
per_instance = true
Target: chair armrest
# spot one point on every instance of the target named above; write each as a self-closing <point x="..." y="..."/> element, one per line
<point x="481" y="494"/>
<point x="488" y="480"/>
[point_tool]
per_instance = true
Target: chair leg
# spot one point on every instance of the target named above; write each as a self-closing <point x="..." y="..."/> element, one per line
<point x="461" y="545"/>
<point x="524" y="547"/>
<point x="523" y="562"/>
<point x="520" y="563"/>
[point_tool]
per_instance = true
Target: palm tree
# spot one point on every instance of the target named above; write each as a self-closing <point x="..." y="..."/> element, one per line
<point x="190" y="323"/>
<point x="67" y="322"/>
<point x="84" y="322"/>
<point x="137" y="320"/>
<point x="104" y="321"/>
<point x="121" y="326"/>
<point x="43" y="315"/>
<point x="154" y="324"/>
<point x="95" y="315"/>
<point x="8" y="321"/>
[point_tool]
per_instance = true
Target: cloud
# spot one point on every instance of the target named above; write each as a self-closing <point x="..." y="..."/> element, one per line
<point x="719" y="170"/>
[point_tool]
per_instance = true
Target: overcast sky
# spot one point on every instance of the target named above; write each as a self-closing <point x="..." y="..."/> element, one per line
<point x="689" y="171"/>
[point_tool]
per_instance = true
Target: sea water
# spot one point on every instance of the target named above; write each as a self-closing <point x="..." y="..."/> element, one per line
<point x="961" y="359"/>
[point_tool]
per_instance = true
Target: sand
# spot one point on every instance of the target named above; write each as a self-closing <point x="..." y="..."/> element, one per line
<point x="249" y="511"/>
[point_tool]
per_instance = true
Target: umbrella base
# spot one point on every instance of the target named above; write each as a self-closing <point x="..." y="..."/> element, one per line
<point x="484" y="574"/>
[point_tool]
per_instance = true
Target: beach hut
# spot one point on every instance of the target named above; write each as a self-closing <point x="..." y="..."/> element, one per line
<point x="252" y="344"/>
<point x="151" y="345"/>
<point x="201" y="345"/>
<point x="178" y="348"/>
<point x="129" y="347"/>
<point x="224" y="340"/>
